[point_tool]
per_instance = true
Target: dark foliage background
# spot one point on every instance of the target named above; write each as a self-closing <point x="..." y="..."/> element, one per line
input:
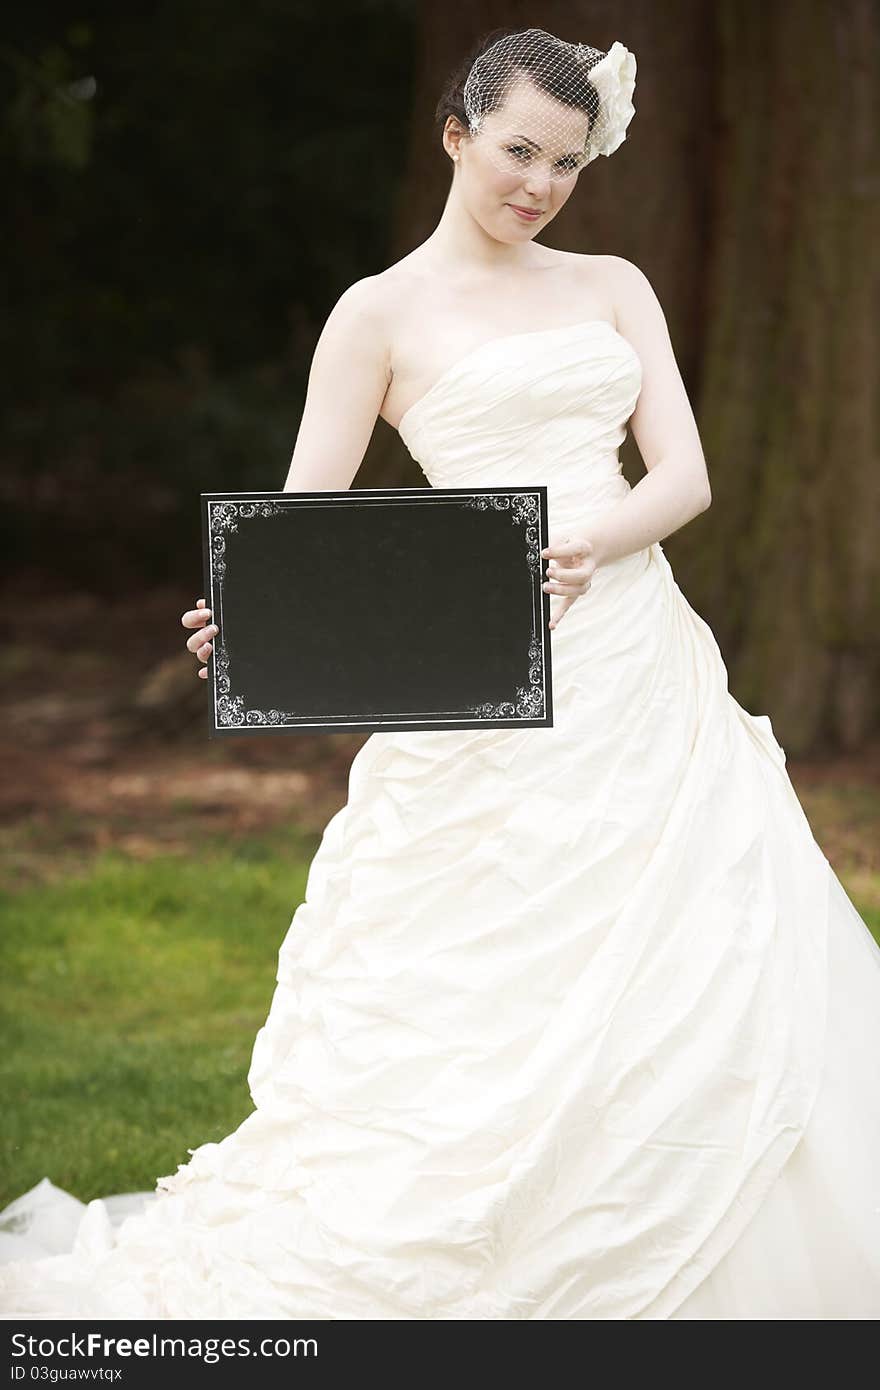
<point x="174" y="240"/>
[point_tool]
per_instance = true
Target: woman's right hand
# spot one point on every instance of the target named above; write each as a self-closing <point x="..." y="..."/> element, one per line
<point x="200" y="642"/>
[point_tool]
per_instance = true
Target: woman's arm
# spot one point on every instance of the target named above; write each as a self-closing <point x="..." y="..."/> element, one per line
<point x="675" y="487"/>
<point x="347" y="383"/>
<point x="348" y="380"/>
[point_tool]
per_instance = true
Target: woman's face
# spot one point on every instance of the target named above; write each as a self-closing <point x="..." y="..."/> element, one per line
<point x="527" y="155"/>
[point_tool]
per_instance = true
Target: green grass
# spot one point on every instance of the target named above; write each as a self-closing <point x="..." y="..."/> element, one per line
<point x="131" y="996"/>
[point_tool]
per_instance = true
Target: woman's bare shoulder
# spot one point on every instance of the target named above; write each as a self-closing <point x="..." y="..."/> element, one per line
<point x="631" y="287"/>
<point x="395" y="286"/>
<point x="361" y="304"/>
<point x="375" y="303"/>
<point x="616" y="282"/>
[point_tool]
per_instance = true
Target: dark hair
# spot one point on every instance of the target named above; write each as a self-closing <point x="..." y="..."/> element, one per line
<point x="563" y="77"/>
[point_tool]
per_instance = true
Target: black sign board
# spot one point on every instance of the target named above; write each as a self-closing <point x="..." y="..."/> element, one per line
<point x="377" y="608"/>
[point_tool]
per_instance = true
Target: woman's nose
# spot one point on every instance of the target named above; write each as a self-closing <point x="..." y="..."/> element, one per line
<point x="537" y="184"/>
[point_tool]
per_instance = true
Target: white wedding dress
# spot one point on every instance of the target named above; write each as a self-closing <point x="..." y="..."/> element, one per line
<point x="573" y="1022"/>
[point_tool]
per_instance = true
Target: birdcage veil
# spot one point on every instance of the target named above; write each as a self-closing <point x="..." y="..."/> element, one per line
<point x="576" y="101"/>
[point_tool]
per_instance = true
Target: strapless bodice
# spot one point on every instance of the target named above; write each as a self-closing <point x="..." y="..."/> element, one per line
<point x="545" y="407"/>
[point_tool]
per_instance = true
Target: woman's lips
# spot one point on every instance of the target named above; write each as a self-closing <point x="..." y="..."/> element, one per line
<point x="527" y="214"/>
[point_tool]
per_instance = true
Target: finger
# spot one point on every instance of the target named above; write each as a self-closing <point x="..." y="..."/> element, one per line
<point x="570" y="574"/>
<point x="196" y="617"/>
<point x="203" y="672"/>
<point x="561" y="549"/>
<point x="199" y="639"/>
<point x="557" y="617"/>
<point x="556" y="586"/>
<point x="567" y="601"/>
<point x="574" y="553"/>
<point x="204" y="652"/>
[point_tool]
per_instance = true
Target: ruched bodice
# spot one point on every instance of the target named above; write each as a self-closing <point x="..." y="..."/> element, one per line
<point x="546" y="407"/>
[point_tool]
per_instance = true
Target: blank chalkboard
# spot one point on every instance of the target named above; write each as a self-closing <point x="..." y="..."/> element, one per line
<point x="377" y="608"/>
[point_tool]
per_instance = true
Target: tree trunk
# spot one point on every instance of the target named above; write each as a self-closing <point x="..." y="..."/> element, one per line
<point x="788" y="568"/>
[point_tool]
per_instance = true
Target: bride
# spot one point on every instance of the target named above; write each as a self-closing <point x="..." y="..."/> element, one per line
<point x="574" y="1022"/>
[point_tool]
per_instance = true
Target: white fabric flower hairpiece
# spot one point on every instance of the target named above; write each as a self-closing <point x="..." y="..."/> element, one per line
<point x="614" y="78"/>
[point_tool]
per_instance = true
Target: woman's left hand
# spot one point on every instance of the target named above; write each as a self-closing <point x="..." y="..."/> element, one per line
<point x="570" y="570"/>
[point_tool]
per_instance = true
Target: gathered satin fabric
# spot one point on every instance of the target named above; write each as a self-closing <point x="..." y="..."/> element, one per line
<point x="573" y="1022"/>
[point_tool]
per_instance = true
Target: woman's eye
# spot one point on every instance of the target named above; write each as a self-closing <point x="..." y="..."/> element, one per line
<point x="566" y="165"/>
